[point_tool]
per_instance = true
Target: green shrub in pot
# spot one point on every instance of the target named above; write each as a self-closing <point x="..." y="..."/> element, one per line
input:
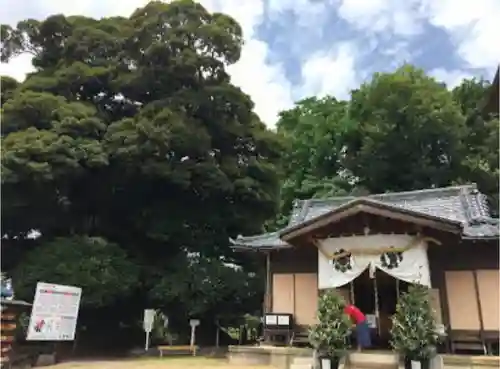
<point x="330" y="335"/>
<point x="413" y="332"/>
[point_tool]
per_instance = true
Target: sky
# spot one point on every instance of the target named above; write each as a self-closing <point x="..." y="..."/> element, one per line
<point x="300" y="48"/>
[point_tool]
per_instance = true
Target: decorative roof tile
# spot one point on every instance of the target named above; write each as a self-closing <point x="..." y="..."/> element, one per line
<point x="262" y="241"/>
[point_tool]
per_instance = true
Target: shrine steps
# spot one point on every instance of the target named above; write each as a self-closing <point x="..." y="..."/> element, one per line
<point x="372" y="360"/>
<point x="302" y="363"/>
<point x="354" y="360"/>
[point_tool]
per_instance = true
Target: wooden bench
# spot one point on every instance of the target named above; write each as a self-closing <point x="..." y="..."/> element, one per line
<point x="300" y="336"/>
<point x="177" y="349"/>
<point x="471" y="341"/>
<point x="270" y="335"/>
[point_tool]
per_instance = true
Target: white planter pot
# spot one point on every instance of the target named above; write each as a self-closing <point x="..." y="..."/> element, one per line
<point x="329" y="363"/>
<point x="416" y="365"/>
<point x="326" y="363"/>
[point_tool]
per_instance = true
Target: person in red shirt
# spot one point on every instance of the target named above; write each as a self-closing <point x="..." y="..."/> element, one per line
<point x="363" y="338"/>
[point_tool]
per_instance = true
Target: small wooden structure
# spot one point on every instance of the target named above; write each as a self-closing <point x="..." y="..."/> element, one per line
<point x="9" y="314"/>
<point x="177" y="350"/>
<point x="371" y="248"/>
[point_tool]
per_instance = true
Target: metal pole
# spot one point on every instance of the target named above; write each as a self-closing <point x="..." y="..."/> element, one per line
<point x="191" y="344"/>
<point x="217" y="334"/>
<point x="146" y="346"/>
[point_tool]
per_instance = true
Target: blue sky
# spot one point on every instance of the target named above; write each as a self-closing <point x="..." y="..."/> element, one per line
<point x="298" y="48"/>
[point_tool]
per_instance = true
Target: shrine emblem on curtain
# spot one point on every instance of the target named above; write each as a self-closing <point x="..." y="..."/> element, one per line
<point x="391" y="259"/>
<point x="342" y="262"/>
<point x="342" y="259"/>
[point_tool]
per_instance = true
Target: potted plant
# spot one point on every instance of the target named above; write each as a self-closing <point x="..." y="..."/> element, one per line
<point x="329" y="336"/>
<point x="413" y="332"/>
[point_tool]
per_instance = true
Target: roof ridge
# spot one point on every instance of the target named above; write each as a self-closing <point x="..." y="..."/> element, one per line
<point x="429" y="191"/>
<point x="256" y="237"/>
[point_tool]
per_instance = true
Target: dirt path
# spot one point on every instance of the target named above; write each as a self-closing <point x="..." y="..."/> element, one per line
<point x="167" y="363"/>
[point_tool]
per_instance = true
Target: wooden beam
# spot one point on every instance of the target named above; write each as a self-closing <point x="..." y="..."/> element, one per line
<point x="375" y="251"/>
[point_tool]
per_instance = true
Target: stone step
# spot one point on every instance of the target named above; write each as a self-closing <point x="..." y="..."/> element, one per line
<point x="372" y="360"/>
<point x="374" y="366"/>
<point x="301" y="366"/>
<point x="362" y="358"/>
<point x="303" y="360"/>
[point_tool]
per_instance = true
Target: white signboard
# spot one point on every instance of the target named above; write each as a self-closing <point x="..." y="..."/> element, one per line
<point x="54" y="313"/>
<point x="271" y="320"/>
<point x="147" y="324"/>
<point x="371" y="320"/>
<point x="194" y="322"/>
<point x="149" y="317"/>
<point x="283" y="320"/>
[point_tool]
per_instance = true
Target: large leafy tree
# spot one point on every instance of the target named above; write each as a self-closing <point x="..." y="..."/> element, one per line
<point x="314" y="135"/>
<point x="408" y="135"/>
<point x="399" y="131"/>
<point x="101" y="269"/>
<point x="481" y="159"/>
<point x="131" y="131"/>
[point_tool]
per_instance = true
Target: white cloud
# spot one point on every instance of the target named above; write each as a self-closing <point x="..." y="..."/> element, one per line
<point x="309" y="14"/>
<point x="330" y="73"/>
<point x="18" y="67"/>
<point x="474" y="27"/>
<point x="265" y="83"/>
<point x="396" y="16"/>
<point x="452" y="78"/>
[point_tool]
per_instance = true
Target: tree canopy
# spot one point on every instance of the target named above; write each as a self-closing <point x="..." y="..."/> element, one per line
<point x="133" y="158"/>
<point x="399" y="131"/>
<point x="128" y="143"/>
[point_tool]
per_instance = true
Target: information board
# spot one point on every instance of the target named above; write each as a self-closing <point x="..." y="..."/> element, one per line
<point x="149" y="317"/>
<point x="54" y="313"/>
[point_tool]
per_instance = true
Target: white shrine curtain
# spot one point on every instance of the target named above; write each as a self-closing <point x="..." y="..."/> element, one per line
<point x="411" y="265"/>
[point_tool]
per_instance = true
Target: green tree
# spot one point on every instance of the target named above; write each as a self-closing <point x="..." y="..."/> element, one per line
<point x="399" y="131"/>
<point x="130" y="130"/>
<point x="100" y="268"/>
<point x="481" y="145"/>
<point x="206" y="288"/>
<point x="408" y="133"/>
<point x="313" y="133"/>
<point x="8" y="85"/>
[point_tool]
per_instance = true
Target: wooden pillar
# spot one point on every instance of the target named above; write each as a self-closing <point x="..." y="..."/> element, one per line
<point x="443" y="296"/>
<point x="268" y="290"/>
<point x="479" y="310"/>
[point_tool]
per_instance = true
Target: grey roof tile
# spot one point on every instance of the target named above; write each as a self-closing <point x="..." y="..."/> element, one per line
<point x="460" y="203"/>
<point x="266" y="240"/>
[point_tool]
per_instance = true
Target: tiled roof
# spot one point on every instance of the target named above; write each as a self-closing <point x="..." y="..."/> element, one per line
<point x="262" y="241"/>
<point x="461" y="203"/>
